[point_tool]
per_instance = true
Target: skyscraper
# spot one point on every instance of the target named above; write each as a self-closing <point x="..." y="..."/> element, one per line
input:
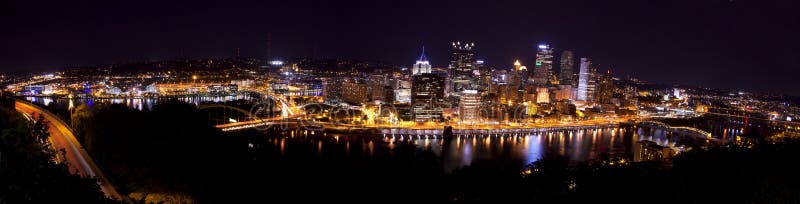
<point x="469" y="107"/>
<point x="605" y="88"/>
<point x="483" y="73"/>
<point x="422" y="65"/>
<point x="515" y="80"/>
<point x="630" y="94"/>
<point x="332" y="90"/>
<point x="565" y="92"/>
<point x="591" y="85"/>
<point x="462" y="66"/>
<point x="585" y="80"/>
<point x="427" y="96"/>
<point x="543" y="70"/>
<point x="542" y="95"/>
<point x="567" y="65"/>
<point x="355" y="92"/>
<point x="376" y="83"/>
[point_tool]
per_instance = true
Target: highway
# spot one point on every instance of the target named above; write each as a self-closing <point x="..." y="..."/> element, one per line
<point x="438" y="126"/>
<point x="77" y="158"/>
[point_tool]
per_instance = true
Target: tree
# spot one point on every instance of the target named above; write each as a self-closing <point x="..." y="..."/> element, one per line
<point x="79" y="121"/>
<point x="40" y="131"/>
<point x="27" y="170"/>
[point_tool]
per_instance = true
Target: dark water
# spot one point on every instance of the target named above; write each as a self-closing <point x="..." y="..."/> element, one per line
<point x="144" y="103"/>
<point x="459" y="151"/>
<point x="517" y="150"/>
<point x="275" y="163"/>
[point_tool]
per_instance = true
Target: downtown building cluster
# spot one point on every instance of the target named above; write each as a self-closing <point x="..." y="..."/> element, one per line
<point x="468" y="91"/>
<point x="560" y="86"/>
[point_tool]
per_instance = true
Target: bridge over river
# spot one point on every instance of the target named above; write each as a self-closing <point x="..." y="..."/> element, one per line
<point x="689" y="131"/>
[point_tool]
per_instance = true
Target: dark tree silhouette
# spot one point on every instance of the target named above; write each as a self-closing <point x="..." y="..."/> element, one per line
<point x="28" y="173"/>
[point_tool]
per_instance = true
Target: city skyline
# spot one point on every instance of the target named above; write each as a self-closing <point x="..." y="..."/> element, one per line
<point x="664" y="35"/>
<point x="544" y="101"/>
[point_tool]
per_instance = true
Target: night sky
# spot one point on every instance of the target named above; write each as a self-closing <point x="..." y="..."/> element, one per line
<point x="750" y="44"/>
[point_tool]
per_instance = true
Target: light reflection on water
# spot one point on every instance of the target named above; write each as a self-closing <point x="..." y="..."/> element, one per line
<point x="460" y="151"/>
<point x="144" y="103"/>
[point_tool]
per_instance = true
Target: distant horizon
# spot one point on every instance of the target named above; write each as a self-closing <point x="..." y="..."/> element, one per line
<point x="712" y="43"/>
<point x="616" y="75"/>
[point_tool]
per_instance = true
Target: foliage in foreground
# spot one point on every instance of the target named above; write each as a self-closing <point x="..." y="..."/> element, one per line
<point x="28" y="173"/>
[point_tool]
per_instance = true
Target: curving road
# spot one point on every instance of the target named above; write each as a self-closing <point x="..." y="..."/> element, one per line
<point x="61" y="137"/>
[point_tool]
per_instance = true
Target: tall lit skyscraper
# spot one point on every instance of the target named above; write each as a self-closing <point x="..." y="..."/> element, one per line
<point x="422" y="65"/>
<point x="591" y="85"/>
<point x="515" y="80"/>
<point x="469" y="107"/>
<point x="483" y="74"/>
<point x="462" y="66"/>
<point x="583" y="80"/>
<point x="567" y="65"/>
<point x="427" y="96"/>
<point x="543" y="70"/>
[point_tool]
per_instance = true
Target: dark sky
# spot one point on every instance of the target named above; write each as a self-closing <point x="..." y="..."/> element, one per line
<point x="751" y="44"/>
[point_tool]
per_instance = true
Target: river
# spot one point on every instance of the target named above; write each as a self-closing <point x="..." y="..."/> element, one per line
<point x="460" y="151"/>
<point x="583" y="145"/>
<point x="279" y="162"/>
<point x="139" y="103"/>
